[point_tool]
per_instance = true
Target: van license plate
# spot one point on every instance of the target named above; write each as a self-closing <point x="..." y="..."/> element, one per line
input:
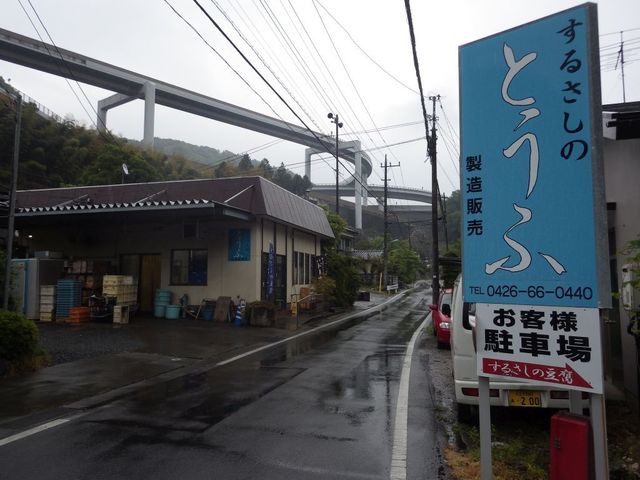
<point x="525" y="398"/>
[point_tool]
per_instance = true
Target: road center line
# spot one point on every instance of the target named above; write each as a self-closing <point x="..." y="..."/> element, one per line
<point x="377" y="308"/>
<point x="399" y="450"/>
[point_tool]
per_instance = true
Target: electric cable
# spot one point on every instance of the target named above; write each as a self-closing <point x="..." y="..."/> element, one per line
<point x="268" y="67"/>
<point x="365" y="53"/>
<point x="244" y="57"/>
<point x="417" y="69"/>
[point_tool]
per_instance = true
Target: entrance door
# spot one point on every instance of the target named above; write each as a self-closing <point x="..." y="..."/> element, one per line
<point x="150" y="268"/>
<point x="145" y="270"/>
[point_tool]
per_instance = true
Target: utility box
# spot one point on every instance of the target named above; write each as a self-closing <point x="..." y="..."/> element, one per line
<point x="571" y="443"/>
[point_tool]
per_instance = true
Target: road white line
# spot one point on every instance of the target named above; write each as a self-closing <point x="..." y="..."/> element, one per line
<point x="399" y="450"/>
<point x="377" y="308"/>
<point x="32" y="431"/>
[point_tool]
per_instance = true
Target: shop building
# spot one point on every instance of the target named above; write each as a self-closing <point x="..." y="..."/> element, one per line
<point x="242" y="237"/>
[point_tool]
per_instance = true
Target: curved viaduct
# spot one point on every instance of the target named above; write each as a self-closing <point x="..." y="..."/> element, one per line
<point x="129" y="86"/>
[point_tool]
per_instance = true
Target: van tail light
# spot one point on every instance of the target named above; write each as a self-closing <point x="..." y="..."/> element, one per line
<point x="474" y="392"/>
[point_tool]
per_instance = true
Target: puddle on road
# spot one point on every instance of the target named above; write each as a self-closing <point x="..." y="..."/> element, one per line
<point x="369" y="388"/>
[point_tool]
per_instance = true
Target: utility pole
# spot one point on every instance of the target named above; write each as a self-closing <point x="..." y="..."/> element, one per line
<point x="385" y="251"/>
<point x="338" y="125"/>
<point x="435" y="261"/>
<point x="12" y="202"/>
<point x="621" y="58"/>
<point x="443" y="207"/>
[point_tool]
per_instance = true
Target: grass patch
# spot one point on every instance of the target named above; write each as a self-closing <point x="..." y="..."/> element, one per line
<point x="518" y="452"/>
<point x="25" y="365"/>
<point x="521" y="445"/>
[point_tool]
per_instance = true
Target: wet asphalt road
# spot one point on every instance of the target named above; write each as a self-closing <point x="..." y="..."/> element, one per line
<point x="320" y="407"/>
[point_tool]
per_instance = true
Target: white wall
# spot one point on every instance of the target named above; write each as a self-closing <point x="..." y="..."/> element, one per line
<point x="622" y="180"/>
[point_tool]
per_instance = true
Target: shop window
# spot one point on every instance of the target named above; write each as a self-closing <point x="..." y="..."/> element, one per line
<point x="189" y="267"/>
<point x="303" y="268"/>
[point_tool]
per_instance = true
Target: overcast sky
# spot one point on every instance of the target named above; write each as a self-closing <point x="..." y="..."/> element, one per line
<point x="147" y="37"/>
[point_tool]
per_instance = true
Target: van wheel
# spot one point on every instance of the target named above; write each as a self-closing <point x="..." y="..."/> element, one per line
<point x="467" y="413"/>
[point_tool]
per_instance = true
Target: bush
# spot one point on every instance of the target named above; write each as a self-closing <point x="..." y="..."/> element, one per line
<point x="19" y="337"/>
<point x="342" y="269"/>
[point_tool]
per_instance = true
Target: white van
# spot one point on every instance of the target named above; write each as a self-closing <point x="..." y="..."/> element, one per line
<point x="502" y="392"/>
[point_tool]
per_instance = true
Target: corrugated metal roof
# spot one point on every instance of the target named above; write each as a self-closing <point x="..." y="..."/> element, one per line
<point x="72" y="207"/>
<point x="254" y="195"/>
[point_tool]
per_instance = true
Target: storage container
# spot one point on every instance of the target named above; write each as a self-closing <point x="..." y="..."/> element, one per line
<point x="159" y="310"/>
<point x="172" y="312"/>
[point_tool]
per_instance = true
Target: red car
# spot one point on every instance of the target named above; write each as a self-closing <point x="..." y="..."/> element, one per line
<point x="441" y="318"/>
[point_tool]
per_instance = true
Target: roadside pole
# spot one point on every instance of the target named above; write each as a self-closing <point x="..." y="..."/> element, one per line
<point x="484" y="411"/>
<point x="12" y="202"/>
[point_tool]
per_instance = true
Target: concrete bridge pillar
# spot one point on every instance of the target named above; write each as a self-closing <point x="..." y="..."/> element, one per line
<point x="149" y="90"/>
<point x="101" y="123"/>
<point x="358" y="186"/>
<point x="307" y="162"/>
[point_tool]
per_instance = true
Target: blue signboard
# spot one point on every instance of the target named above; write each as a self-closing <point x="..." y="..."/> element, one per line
<point x="528" y="163"/>
<point x="239" y="245"/>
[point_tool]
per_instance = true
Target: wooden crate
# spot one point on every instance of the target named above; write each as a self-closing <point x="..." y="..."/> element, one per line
<point x="121" y="314"/>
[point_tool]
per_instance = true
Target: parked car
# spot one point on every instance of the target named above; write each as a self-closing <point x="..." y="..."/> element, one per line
<point x="441" y="317"/>
<point x="503" y="392"/>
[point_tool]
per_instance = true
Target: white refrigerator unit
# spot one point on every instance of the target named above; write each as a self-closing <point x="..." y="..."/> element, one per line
<point x="29" y="274"/>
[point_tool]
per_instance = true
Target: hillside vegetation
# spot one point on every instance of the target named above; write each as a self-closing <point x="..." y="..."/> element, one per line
<point x="59" y="154"/>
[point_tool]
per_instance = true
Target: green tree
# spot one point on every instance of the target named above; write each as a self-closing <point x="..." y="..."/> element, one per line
<point x="245" y="163"/>
<point x="404" y="261"/>
<point x="224" y="169"/>
<point x="342" y="269"/>
<point x="267" y="169"/>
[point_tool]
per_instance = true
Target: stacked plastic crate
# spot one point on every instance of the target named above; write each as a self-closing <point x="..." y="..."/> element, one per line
<point x="47" y="302"/>
<point x="69" y="294"/>
<point x="122" y="287"/>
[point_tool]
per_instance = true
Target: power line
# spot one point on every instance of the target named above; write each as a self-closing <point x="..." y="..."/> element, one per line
<point x="417" y="69"/>
<point x="235" y="71"/>
<point x="364" y="52"/>
<point x="108" y="136"/>
<point x="251" y="26"/>
<point x="244" y="57"/>
<point x="618" y="32"/>
<point x="239" y="32"/>
<point x="351" y="80"/>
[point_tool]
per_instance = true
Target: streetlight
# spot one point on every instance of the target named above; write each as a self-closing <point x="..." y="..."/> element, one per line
<point x="338" y="125"/>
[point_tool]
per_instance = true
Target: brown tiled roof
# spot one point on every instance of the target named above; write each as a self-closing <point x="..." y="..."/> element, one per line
<point x="254" y="195"/>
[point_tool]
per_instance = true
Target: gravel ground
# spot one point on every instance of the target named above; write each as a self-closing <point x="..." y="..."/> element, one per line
<point x="68" y="342"/>
<point x="441" y="372"/>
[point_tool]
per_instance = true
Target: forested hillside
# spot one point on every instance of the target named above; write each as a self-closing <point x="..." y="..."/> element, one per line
<point x="58" y="154"/>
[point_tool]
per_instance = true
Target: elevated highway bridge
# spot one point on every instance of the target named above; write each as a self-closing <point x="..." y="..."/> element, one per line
<point x="129" y="86"/>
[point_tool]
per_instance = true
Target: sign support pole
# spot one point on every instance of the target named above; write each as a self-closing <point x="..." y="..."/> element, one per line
<point x="485" y="428"/>
<point x="575" y="402"/>
<point x="599" y="427"/>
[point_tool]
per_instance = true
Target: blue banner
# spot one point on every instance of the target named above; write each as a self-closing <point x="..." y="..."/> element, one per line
<point x="271" y="271"/>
